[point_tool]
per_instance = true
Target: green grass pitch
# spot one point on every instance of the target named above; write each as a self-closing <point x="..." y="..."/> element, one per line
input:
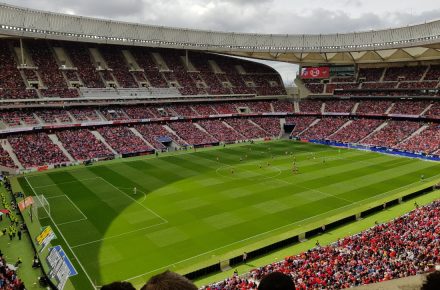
<point x="194" y="209"/>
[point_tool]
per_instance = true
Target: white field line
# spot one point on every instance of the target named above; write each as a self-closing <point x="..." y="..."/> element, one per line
<point x="66" y="182"/>
<point x="118" y="235"/>
<point x="267" y="232"/>
<point x="136" y="201"/>
<point x="225" y="246"/>
<point x="77" y="208"/>
<point x="145" y="195"/>
<point x="287" y="182"/>
<point x="65" y="240"/>
<point x="70" y="222"/>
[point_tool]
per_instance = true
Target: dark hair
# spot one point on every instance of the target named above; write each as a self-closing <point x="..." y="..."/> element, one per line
<point x="169" y="281"/>
<point x="118" y="286"/>
<point x="276" y="281"/>
<point x="432" y="281"/>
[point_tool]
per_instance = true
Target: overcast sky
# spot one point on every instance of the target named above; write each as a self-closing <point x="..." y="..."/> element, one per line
<point x="264" y="16"/>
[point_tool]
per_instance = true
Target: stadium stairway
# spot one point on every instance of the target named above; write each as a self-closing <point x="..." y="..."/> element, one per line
<point x="100" y="115"/>
<point x="381" y="126"/>
<point x="194" y="110"/>
<point x="232" y="128"/>
<point x="258" y="126"/>
<point x="355" y="107"/>
<point x="311" y="125"/>
<point x="175" y="134"/>
<point x="100" y="138"/>
<point x="303" y="90"/>
<point x="271" y="108"/>
<point x="426" y="109"/>
<point x="8" y="148"/>
<point x="428" y="68"/>
<point x="389" y="108"/>
<point x="407" y="283"/>
<point x="296" y="106"/>
<point x="282" y="132"/>
<point x="202" y="129"/>
<point x="71" y="116"/>
<point x="136" y="132"/>
<point x="342" y="127"/>
<point x="57" y="142"/>
<point x="417" y="132"/>
<point x="36" y="117"/>
<point x="323" y="108"/>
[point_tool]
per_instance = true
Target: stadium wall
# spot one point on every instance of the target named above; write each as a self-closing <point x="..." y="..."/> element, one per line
<point x="384" y="150"/>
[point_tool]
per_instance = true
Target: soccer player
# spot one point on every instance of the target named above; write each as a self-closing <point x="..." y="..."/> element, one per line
<point x="135" y="190"/>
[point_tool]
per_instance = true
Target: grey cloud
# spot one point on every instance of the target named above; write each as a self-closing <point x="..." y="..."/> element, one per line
<point x="263" y="16"/>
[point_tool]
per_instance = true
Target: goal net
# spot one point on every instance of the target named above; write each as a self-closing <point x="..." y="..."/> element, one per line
<point x="41" y="207"/>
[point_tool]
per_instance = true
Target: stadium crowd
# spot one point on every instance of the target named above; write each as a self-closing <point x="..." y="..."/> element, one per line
<point x="405" y="246"/>
<point x="83" y="145"/>
<point x="34" y="150"/>
<point x="124" y="141"/>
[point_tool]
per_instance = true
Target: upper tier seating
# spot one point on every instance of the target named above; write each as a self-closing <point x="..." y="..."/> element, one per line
<point x="310" y="106"/>
<point x="54" y="66"/>
<point x="373" y="107"/>
<point x="344" y="106"/>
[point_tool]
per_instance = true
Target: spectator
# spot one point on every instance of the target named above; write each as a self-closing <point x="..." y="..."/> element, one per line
<point x="169" y="281"/>
<point x="276" y="281"/>
<point x="432" y="281"/>
<point x="118" y="286"/>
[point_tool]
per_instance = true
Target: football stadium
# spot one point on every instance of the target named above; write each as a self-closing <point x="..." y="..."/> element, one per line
<point x="129" y="150"/>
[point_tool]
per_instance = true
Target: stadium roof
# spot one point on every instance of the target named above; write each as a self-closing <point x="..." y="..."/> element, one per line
<point x="412" y="43"/>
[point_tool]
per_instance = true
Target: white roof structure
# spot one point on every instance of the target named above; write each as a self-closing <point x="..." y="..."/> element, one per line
<point x="412" y="43"/>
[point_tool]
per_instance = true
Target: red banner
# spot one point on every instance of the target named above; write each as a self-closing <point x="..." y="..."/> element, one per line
<point x="25" y="203"/>
<point x="321" y="72"/>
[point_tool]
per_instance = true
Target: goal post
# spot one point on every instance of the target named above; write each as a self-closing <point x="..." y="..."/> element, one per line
<point x="41" y="207"/>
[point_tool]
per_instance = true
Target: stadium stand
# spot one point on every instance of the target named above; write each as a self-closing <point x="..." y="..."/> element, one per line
<point x="373" y="107"/>
<point x="392" y="134"/>
<point x="301" y="123"/>
<point x="406" y="246"/>
<point x="5" y="159"/>
<point x="124" y="141"/>
<point x="191" y="134"/>
<point x="219" y="130"/>
<point x="35" y="150"/>
<point x="83" y="145"/>
<point x="323" y="129"/>
<point x="428" y="141"/>
<point x="152" y="132"/>
<point x="356" y="130"/>
<point x="246" y="128"/>
<point x="311" y="106"/>
<point x="9" y="279"/>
